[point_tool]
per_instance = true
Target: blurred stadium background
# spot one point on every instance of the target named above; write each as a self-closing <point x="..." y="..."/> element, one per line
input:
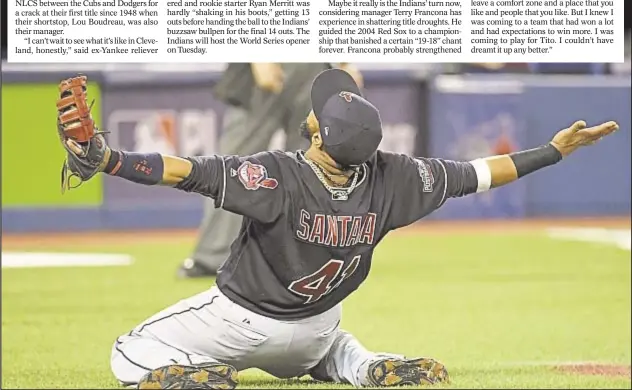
<point x="510" y="283"/>
<point x="458" y="111"/>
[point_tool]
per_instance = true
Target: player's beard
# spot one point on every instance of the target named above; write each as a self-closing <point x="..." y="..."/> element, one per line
<point x="340" y="180"/>
<point x="337" y="177"/>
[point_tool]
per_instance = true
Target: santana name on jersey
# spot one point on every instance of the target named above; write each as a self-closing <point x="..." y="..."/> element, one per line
<point x="336" y="230"/>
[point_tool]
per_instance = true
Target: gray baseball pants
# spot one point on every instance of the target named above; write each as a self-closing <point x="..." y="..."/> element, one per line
<point x="209" y="327"/>
<point x="247" y="132"/>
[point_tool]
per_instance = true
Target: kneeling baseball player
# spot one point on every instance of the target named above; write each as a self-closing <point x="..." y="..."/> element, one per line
<point x="312" y="220"/>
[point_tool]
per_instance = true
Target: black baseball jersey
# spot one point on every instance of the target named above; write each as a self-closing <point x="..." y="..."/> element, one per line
<point x="299" y="251"/>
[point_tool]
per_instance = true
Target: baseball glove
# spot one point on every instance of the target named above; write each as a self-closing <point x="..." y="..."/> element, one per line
<point x="86" y="150"/>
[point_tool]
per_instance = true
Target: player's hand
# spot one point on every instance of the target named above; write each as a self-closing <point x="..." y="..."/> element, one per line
<point x="86" y="151"/>
<point x="84" y="160"/>
<point x="98" y="153"/>
<point x="268" y="76"/>
<point x="354" y="72"/>
<point x="578" y="135"/>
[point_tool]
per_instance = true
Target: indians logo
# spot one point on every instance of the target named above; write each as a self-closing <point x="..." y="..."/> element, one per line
<point x="346" y="95"/>
<point x="254" y="176"/>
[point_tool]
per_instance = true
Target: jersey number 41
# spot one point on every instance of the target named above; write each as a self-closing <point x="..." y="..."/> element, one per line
<point x="325" y="280"/>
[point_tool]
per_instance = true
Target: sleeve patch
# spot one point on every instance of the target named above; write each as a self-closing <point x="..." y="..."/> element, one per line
<point x="254" y="176"/>
<point x="425" y="173"/>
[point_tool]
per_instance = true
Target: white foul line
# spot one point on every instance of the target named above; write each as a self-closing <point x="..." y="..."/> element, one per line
<point x="56" y="259"/>
<point x="617" y="237"/>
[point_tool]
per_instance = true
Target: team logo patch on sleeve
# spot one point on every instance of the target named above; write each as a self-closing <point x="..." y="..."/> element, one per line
<point x="254" y="176"/>
<point x="425" y="173"/>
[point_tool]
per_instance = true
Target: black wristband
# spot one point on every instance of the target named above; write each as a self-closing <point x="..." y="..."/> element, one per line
<point x="531" y="160"/>
<point x="114" y="163"/>
<point x="140" y="168"/>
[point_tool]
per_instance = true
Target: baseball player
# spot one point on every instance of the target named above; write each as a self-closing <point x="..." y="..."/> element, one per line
<point x="261" y="98"/>
<point x="312" y="220"/>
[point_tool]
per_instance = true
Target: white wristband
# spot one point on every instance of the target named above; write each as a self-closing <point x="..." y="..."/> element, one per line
<point x="483" y="174"/>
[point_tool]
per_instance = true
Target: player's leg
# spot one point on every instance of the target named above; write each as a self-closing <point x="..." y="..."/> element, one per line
<point x="147" y="363"/>
<point x="300" y="345"/>
<point x="218" y="227"/>
<point x="247" y="132"/>
<point x="199" y="339"/>
<point x="244" y="132"/>
<point x="348" y="361"/>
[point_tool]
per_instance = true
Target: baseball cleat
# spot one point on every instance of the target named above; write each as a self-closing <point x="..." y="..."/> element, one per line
<point x="198" y="376"/>
<point x="414" y="372"/>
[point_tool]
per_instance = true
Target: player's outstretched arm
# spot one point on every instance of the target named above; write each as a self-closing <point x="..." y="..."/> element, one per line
<point x="196" y="173"/>
<point x="499" y="170"/>
<point x="175" y="170"/>
<point x="431" y="181"/>
<point x="145" y="168"/>
<point x="230" y="180"/>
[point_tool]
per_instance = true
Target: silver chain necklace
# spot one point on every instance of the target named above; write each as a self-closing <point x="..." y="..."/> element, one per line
<point x="336" y="193"/>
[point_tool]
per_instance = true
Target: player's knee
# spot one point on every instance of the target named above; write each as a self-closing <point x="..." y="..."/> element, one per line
<point x="117" y="360"/>
<point x="125" y="370"/>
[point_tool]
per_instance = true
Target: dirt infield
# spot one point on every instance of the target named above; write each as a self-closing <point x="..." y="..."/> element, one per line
<point x="612" y="370"/>
<point x="425" y="227"/>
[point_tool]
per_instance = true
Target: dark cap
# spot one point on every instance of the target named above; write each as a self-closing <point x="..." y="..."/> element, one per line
<point x="350" y="125"/>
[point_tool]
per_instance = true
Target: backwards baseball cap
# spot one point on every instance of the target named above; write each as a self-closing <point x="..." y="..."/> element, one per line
<point x="350" y="126"/>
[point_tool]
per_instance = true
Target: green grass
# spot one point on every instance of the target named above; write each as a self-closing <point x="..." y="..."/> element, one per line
<point x="490" y="307"/>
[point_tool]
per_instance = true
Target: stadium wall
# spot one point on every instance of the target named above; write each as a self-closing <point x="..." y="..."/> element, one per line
<point x="459" y="117"/>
